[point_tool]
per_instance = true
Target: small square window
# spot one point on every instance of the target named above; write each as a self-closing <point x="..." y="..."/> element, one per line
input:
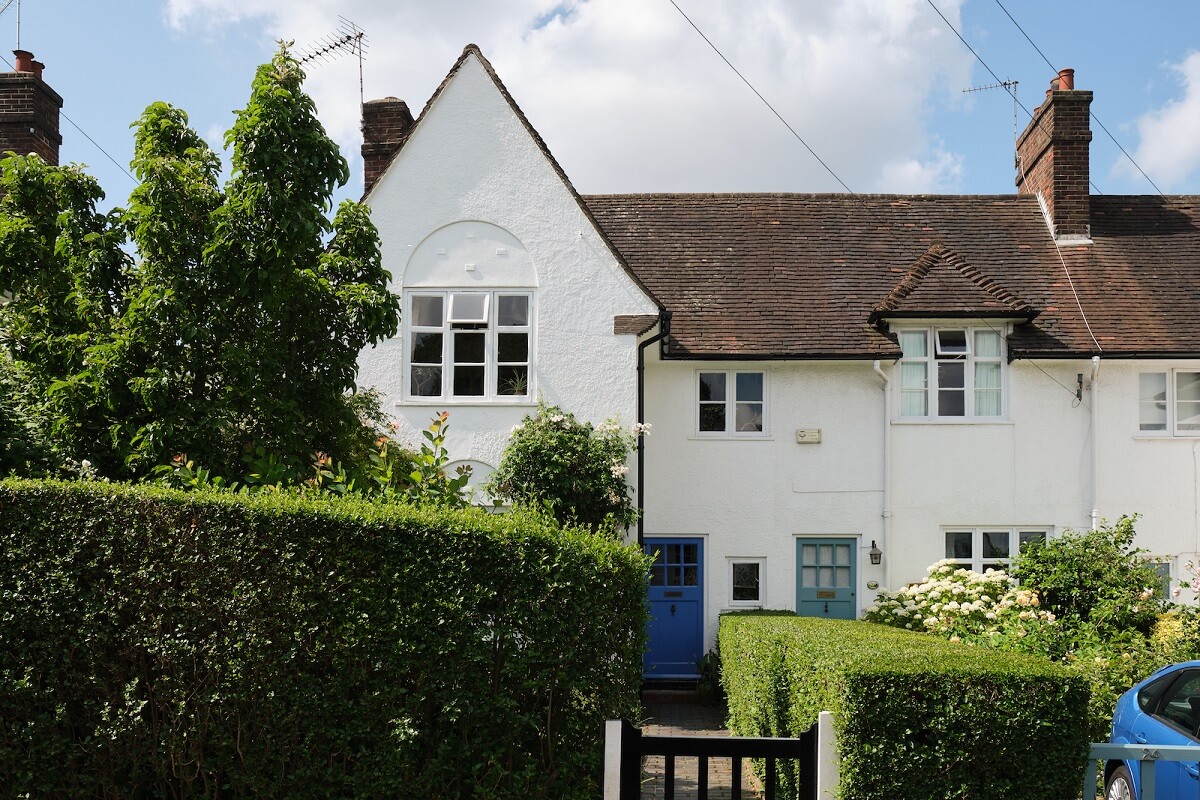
<point x="469" y="307"/>
<point x="731" y="402"/>
<point x="746" y="581"/>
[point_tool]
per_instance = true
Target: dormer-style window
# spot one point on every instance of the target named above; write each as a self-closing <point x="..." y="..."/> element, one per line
<point x="951" y="373"/>
<point x="469" y="345"/>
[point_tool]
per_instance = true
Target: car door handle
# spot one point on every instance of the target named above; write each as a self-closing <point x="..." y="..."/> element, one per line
<point x="1140" y="738"/>
<point x="1191" y="769"/>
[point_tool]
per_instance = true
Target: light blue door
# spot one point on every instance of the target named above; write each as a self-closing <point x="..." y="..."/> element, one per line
<point x="825" y="577"/>
<point x="676" y="594"/>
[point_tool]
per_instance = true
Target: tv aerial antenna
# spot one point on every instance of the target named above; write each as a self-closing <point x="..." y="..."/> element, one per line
<point x="1009" y="86"/>
<point x="349" y="38"/>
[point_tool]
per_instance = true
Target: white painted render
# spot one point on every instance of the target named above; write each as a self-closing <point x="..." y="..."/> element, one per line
<point x="472" y="201"/>
<point x="472" y="183"/>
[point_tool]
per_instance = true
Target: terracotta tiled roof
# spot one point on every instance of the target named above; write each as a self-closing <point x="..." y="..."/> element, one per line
<point x="800" y="276"/>
<point x="635" y="324"/>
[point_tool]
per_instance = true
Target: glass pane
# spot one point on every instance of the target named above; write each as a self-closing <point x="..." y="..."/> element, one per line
<point x="658" y="557"/>
<point x="1152" y="416"/>
<point x="1152" y="386"/>
<point x="958" y="544"/>
<point x="426" y="311"/>
<point x="749" y="417"/>
<point x="995" y="544"/>
<point x="1025" y="537"/>
<point x="675" y="576"/>
<point x="987" y="402"/>
<point x="712" y="417"/>
<point x="426" y="381"/>
<point x="468" y="347"/>
<point x="824" y="554"/>
<point x="427" y="348"/>
<point x="951" y="375"/>
<point x="745" y="582"/>
<point x="1187" y="386"/>
<point x="841" y="577"/>
<point x="468" y="307"/>
<point x="987" y="344"/>
<point x="824" y="576"/>
<point x="657" y="576"/>
<point x="914" y="376"/>
<point x="951" y="342"/>
<point x="1189" y="416"/>
<point x="512" y="381"/>
<point x="512" y="310"/>
<point x="808" y="553"/>
<point x="674" y="553"/>
<point x="691" y="576"/>
<point x="691" y="553"/>
<point x="914" y="403"/>
<point x="987" y="375"/>
<point x="841" y="554"/>
<point x="994" y="566"/>
<point x="951" y="403"/>
<point x="808" y="577"/>
<point x="712" y="386"/>
<point x="468" y="381"/>
<point x="914" y="344"/>
<point x="512" y="347"/>
<point x="749" y="386"/>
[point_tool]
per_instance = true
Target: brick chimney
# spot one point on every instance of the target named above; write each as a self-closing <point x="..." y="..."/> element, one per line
<point x="385" y="126"/>
<point x="1052" y="159"/>
<point x="29" y="111"/>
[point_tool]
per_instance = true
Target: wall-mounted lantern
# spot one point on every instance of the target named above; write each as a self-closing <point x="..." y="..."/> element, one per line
<point x="875" y="553"/>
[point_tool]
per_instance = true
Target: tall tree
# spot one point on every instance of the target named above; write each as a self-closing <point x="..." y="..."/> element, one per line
<point x="236" y="327"/>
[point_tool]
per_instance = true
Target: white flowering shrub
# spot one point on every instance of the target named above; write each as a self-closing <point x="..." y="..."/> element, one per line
<point x="961" y="604"/>
<point x="576" y="470"/>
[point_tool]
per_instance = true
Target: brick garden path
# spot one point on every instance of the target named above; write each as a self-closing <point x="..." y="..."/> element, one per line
<point x="666" y="718"/>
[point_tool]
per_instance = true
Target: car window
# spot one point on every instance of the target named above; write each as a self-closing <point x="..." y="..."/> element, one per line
<point x="1180" y="705"/>
<point x="1149" y="695"/>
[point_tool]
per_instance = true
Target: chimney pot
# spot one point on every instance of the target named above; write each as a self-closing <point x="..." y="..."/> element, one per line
<point x="1066" y="80"/>
<point x="24" y="60"/>
<point x="37" y="69"/>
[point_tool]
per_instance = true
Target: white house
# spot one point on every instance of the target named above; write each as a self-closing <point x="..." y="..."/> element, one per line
<point x="832" y="380"/>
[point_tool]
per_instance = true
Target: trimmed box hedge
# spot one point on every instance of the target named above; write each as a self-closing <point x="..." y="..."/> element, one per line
<point x="161" y="644"/>
<point x="917" y="717"/>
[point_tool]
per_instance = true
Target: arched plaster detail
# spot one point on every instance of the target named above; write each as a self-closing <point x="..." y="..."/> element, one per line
<point x="470" y="254"/>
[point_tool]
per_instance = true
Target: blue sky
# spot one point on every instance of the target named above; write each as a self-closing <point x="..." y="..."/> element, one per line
<point x="630" y="98"/>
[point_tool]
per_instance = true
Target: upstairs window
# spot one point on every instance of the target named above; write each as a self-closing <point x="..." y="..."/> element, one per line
<point x="1169" y="403"/>
<point x="731" y="402"/>
<point x="951" y="373"/>
<point x="469" y="345"/>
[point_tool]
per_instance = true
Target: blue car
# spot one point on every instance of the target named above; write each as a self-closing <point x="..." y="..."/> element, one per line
<point x="1162" y="710"/>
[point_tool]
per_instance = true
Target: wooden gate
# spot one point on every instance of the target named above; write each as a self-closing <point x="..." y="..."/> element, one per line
<point x="625" y="747"/>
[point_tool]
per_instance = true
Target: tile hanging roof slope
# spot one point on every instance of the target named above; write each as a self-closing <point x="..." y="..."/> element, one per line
<point x="799" y="275"/>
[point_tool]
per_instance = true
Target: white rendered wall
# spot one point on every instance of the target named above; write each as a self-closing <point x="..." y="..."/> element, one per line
<point x="751" y="498"/>
<point x="471" y="168"/>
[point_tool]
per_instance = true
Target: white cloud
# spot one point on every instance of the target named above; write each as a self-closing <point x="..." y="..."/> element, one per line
<point x="1169" y="137"/>
<point x="630" y="98"/>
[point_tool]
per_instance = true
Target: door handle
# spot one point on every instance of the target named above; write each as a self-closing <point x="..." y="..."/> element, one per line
<point x="1141" y="739"/>
<point x="672" y="609"/>
<point x="1191" y="769"/>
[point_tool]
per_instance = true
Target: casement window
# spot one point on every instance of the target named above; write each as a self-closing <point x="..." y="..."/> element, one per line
<point x="1169" y="402"/>
<point x="981" y="549"/>
<point x="469" y="345"/>
<point x="731" y="402"/>
<point x="951" y="373"/>
<point x="747" y="578"/>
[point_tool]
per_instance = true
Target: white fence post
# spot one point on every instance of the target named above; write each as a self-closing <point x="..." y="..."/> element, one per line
<point x="828" y="771"/>
<point x="612" y="759"/>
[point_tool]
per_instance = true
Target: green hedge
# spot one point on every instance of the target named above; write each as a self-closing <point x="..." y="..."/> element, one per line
<point x="917" y="717"/>
<point x="160" y="644"/>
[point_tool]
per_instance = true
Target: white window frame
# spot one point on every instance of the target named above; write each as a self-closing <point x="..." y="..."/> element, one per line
<point x="1171" y="401"/>
<point x="977" y="561"/>
<point x="732" y="562"/>
<point x="731" y="402"/>
<point x="935" y="352"/>
<point x="489" y="325"/>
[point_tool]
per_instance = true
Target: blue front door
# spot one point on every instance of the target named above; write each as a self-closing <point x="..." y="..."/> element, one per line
<point x="676" y="628"/>
<point x="825" y="577"/>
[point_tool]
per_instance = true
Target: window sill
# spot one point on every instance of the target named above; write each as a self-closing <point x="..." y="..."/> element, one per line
<point x="728" y="438"/>
<point x="1166" y="437"/>
<point x="433" y="402"/>
<point x="972" y="422"/>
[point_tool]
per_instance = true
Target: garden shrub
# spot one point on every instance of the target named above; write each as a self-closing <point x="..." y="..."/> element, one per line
<point x="155" y="643"/>
<point x="917" y="717"/>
